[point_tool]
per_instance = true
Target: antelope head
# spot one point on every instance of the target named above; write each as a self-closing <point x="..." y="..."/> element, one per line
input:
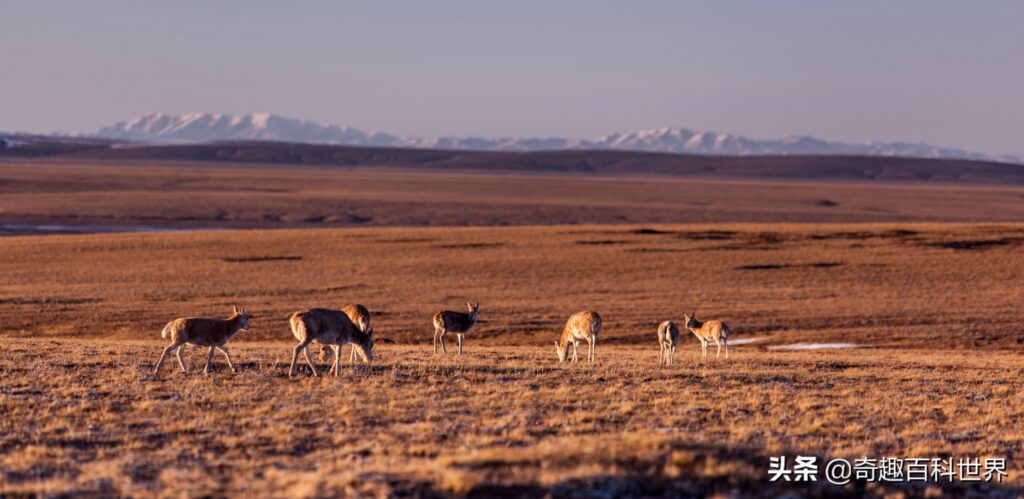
<point x="243" y="318"/>
<point x="561" y="350"/>
<point x="367" y="347"/>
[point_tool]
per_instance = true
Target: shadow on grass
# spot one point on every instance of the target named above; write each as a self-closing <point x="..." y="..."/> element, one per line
<point x="707" y="470"/>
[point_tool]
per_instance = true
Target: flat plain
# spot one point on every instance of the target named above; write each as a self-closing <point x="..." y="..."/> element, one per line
<point x="922" y="283"/>
<point x="216" y="196"/>
<point x="936" y="372"/>
<point x="907" y="285"/>
<point x="88" y="417"/>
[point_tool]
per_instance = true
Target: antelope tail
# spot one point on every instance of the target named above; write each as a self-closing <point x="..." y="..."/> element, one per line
<point x="166" y="330"/>
<point x="297" y="324"/>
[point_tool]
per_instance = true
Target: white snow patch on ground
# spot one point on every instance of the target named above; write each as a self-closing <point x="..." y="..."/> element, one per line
<point x="745" y="341"/>
<point x="815" y="346"/>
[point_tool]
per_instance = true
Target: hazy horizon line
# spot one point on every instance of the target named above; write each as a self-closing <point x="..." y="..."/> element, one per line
<point x="95" y="132"/>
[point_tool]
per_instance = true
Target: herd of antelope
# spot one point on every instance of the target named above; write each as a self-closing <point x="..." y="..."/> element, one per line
<point x="332" y="329"/>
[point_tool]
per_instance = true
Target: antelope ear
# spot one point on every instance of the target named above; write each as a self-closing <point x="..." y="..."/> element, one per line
<point x="235" y="309"/>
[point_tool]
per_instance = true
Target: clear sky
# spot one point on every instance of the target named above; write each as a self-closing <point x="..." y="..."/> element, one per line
<point x="946" y="72"/>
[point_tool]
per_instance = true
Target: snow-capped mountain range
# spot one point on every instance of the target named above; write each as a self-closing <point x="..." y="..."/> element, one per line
<point x="207" y="127"/>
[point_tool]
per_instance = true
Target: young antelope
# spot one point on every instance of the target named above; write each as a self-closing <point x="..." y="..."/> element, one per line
<point x="706" y="331"/>
<point x="359" y="316"/>
<point x="327" y="327"/>
<point x="457" y="323"/>
<point x="668" y="337"/>
<point x="203" y="331"/>
<point x="580" y="326"/>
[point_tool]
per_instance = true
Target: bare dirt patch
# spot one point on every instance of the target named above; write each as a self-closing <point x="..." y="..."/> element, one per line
<point x="777" y="266"/>
<point x="255" y="259"/>
<point x="978" y="244"/>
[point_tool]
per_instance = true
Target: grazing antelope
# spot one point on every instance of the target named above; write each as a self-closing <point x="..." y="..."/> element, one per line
<point x="359" y="316"/>
<point x="457" y="323"/>
<point x="580" y="326"/>
<point x="327" y="327"/>
<point x="203" y="331"/>
<point x="706" y="331"/>
<point x="668" y="337"/>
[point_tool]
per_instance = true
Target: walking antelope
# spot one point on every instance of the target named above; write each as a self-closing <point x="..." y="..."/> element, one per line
<point x="203" y="331"/>
<point x="668" y="337"/>
<point x="580" y="326"/>
<point x="457" y="323"/>
<point x="706" y="331"/>
<point x="327" y="327"/>
<point x="359" y="316"/>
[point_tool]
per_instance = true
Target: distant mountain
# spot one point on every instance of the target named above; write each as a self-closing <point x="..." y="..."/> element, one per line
<point x="206" y="127"/>
<point x="681" y="140"/>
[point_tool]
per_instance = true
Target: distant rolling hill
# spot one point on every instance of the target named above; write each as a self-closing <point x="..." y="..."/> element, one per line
<point x="215" y="127"/>
<point x="612" y="162"/>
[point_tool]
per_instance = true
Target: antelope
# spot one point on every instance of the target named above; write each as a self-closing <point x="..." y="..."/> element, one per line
<point x="580" y="326"/>
<point x="202" y="331"/>
<point x="457" y="323"/>
<point x="668" y="337"/>
<point x="705" y="331"/>
<point x="359" y="316"/>
<point x="327" y="327"/>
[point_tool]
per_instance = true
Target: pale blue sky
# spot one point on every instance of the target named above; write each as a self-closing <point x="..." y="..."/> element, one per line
<point x="945" y="72"/>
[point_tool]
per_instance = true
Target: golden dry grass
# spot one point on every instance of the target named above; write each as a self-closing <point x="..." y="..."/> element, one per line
<point x="88" y="417"/>
<point x="81" y="413"/>
<point x="275" y="196"/>
<point x="935" y="286"/>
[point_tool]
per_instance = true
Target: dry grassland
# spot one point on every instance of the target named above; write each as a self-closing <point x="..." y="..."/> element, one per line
<point x="88" y="417"/>
<point x="195" y="195"/>
<point x="938" y="304"/>
<point x="921" y="286"/>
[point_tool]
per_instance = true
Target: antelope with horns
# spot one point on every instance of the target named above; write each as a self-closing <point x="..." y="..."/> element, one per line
<point x="580" y="326"/>
<point x="706" y="331"/>
<point x="456" y="323"/>
<point x="327" y="327"/>
<point x="203" y="331"/>
<point x="359" y="316"/>
<point x="668" y="337"/>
